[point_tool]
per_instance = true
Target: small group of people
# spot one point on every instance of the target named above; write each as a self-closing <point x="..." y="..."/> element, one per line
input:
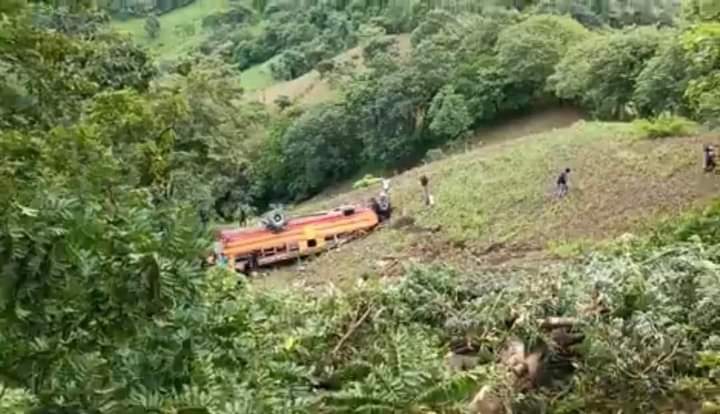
<point x="709" y="165"/>
<point x="561" y="187"/>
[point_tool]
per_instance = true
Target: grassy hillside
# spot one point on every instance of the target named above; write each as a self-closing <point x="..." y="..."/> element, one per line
<point x="257" y="80"/>
<point x="310" y="88"/>
<point x="494" y="204"/>
<point x="170" y="43"/>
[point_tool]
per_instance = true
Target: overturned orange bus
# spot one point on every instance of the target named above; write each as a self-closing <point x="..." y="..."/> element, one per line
<point x="280" y="240"/>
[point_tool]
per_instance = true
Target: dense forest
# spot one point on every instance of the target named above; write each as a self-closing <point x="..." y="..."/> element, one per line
<point x="112" y="166"/>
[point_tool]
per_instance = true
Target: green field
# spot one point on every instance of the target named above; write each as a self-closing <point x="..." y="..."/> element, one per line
<point x="171" y="43"/>
<point x="181" y="32"/>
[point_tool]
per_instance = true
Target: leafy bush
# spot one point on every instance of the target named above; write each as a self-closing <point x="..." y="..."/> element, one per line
<point x="367" y="181"/>
<point x="666" y="125"/>
<point x="703" y="225"/>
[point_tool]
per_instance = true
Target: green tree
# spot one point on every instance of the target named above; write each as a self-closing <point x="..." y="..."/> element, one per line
<point x="662" y="83"/>
<point x="435" y="22"/>
<point x="52" y="73"/>
<point x="601" y="73"/>
<point x="449" y="114"/>
<point x="319" y="148"/>
<point x="529" y="51"/>
<point x="390" y="106"/>
<point x="486" y="90"/>
<point x="702" y="46"/>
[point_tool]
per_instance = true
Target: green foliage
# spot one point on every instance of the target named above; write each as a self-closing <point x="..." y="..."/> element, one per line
<point x="578" y="10"/>
<point x="529" y="51"/>
<point x="662" y="83"/>
<point x="318" y="149"/>
<point x="53" y="72"/>
<point x="379" y="45"/>
<point x="601" y="73"/>
<point x="367" y="181"/>
<point x="435" y="22"/>
<point x="236" y="16"/>
<point x="12" y="6"/>
<point x="665" y="125"/>
<point x="449" y="114"/>
<point x="297" y="39"/>
<point x="388" y="107"/>
<point x="700" y="10"/>
<point x="105" y="170"/>
<point x="702" y="45"/>
<point x="703" y="225"/>
<point x="138" y="8"/>
<point x="486" y="89"/>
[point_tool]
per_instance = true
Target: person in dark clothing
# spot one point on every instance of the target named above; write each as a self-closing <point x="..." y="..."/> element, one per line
<point x="562" y="183"/>
<point x="709" y="158"/>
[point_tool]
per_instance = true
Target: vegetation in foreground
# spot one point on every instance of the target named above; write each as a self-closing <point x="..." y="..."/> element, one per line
<point x="644" y="317"/>
<point x="111" y="164"/>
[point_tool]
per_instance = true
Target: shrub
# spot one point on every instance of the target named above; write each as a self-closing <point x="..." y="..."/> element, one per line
<point x="665" y="125"/>
<point x="366" y="181"/>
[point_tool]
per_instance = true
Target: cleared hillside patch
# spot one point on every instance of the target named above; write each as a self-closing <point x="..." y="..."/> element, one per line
<point x="310" y="88"/>
<point x="173" y="40"/>
<point x="494" y="205"/>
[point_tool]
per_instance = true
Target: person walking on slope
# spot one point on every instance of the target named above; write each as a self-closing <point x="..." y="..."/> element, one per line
<point x="562" y="183"/>
<point x="709" y="158"/>
<point x="427" y="197"/>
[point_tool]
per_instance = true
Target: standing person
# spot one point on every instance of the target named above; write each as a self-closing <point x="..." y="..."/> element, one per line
<point x="385" y="192"/>
<point x="709" y="164"/>
<point x="426" y="191"/>
<point x="562" y="183"/>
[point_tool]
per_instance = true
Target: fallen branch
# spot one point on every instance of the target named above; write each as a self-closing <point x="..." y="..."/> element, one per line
<point x="393" y="257"/>
<point x="662" y="358"/>
<point x="558" y="322"/>
<point x="352" y="329"/>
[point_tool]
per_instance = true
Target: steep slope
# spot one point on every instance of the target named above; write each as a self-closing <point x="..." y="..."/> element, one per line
<point x="495" y="207"/>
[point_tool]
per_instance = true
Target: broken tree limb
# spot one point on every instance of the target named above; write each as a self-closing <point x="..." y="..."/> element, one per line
<point x="558" y="322"/>
<point x="662" y="358"/>
<point x="352" y="329"/>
